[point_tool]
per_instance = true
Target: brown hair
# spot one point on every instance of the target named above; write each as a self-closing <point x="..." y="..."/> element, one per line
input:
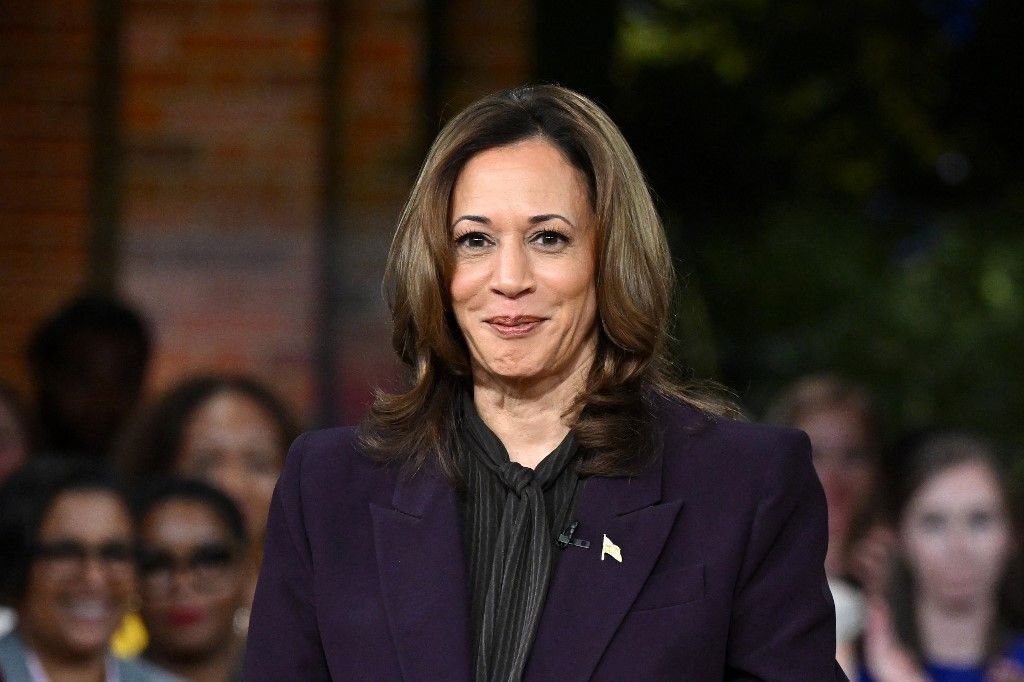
<point x="151" y="444"/>
<point x="816" y="393"/>
<point x="634" y="281"/>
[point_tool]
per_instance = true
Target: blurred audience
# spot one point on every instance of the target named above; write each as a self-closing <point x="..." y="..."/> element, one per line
<point x="66" y="542"/>
<point x="840" y="419"/>
<point x="953" y="607"/>
<point x="192" y="541"/>
<point x="229" y="431"/>
<point x="13" y="432"/>
<point x="89" y="363"/>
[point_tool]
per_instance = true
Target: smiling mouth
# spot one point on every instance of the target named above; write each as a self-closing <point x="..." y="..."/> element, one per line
<point x="89" y="610"/>
<point x="513" y="327"/>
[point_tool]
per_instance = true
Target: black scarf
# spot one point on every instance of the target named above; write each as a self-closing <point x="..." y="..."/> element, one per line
<point x="512" y="516"/>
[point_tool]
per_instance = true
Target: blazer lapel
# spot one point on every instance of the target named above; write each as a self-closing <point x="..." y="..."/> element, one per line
<point x="589" y="596"/>
<point x="422" y="568"/>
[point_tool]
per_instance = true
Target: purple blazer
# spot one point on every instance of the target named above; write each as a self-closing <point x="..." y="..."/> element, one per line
<point x="722" y="543"/>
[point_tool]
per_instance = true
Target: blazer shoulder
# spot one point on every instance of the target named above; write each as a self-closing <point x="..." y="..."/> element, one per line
<point x="694" y="441"/>
<point x="325" y="451"/>
<point x="329" y="463"/>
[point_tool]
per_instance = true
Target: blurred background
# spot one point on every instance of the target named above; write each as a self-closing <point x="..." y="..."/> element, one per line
<point x="843" y="182"/>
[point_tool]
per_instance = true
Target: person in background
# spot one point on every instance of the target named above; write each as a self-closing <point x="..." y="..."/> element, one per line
<point x="227" y="430"/>
<point x="89" y="365"/>
<point x="840" y="419"/>
<point x="192" y="541"/>
<point x="13" y="432"/>
<point x="67" y="568"/>
<point x="954" y="604"/>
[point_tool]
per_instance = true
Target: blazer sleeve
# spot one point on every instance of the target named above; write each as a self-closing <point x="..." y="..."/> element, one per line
<point x="284" y="639"/>
<point x="783" y="620"/>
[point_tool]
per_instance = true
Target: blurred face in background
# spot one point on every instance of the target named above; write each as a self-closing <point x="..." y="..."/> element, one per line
<point x="231" y="442"/>
<point x="844" y="460"/>
<point x="90" y="395"/>
<point x="189" y="566"/>
<point x="956" y="537"/>
<point x="82" y="577"/>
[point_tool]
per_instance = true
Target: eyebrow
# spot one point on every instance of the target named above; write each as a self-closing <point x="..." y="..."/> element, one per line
<point x="534" y="220"/>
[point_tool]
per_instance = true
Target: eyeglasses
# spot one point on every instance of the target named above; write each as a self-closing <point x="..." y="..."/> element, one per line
<point x="212" y="566"/>
<point x="67" y="558"/>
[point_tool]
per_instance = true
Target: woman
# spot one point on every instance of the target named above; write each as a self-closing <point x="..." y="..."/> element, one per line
<point x="840" y="419"/>
<point x="227" y="430"/>
<point x="955" y="593"/>
<point x="191" y="540"/>
<point x="542" y="502"/>
<point x="66" y="543"/>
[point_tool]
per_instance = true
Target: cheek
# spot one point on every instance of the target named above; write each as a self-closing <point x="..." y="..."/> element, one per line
<point x="924" y="553"/>
<point x="468" y="280"/>
<point x="994" y="549"/>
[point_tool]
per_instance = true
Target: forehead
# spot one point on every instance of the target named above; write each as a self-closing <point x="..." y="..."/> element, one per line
<point x="964" y="486"/>
<point x="89" y="516"/>
<point x="231" y="409"/>
<point x="182" y="523"/>
<point x="532" y="171"/>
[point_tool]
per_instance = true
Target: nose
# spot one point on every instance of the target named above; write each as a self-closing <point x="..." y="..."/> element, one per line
<point x="93" y="571"/>
<point x="231" y="477"/>
<point x="513" y="273"/>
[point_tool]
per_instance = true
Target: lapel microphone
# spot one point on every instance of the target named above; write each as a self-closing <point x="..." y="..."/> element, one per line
<point x="565" y="537"/>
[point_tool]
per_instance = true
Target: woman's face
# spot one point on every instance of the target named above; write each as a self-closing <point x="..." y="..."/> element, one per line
<point x="844" y="461"/>
<point x="956" y="536"/>
<point x="189" y="567"/>
<point x="523" y="288"/>
<point x="233" y="443"/>
<point x="82" y="578"/>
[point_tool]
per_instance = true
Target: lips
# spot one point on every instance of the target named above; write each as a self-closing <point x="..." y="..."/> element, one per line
<point x="513" y="326"/>
<point x="185" y="616"/>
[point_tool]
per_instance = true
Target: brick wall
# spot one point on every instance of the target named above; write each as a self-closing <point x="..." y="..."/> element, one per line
<point x="223" y="127"/>
<point x="45" y="89"/>
<point x="221" y="123"/>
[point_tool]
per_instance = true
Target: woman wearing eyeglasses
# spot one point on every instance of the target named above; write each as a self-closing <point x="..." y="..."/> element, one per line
<point x="192" y="543"/>
<point x="66" y="550"/>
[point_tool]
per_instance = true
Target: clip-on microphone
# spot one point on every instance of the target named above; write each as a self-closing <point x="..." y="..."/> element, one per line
<point x="565" y="538"/>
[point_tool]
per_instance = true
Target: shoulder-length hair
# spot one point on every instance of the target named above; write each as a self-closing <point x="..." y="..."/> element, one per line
<point x="634" y="281"/>
<point x="150" y="446"/>
<point x="934" y="454"/>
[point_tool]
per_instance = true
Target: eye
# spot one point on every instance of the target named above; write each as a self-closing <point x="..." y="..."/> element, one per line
<point x="473" y="240"/>
<point x="933" y="523"/>
<point x="153" y="561"/>
<point x="550" y="240"/>
<point x="260" y="462"/>
<point x="204" y="462"/>
<point x="981" y="520"/>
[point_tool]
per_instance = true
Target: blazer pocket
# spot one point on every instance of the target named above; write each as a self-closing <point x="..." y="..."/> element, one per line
<point x="671" y="588"/>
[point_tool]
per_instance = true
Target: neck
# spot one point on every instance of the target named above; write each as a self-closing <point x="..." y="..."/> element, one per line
<point x="529" y="417"/>
<point x="214" y="666"/>
<point x="91" y="669"/>
<point x="956" y="637"/>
